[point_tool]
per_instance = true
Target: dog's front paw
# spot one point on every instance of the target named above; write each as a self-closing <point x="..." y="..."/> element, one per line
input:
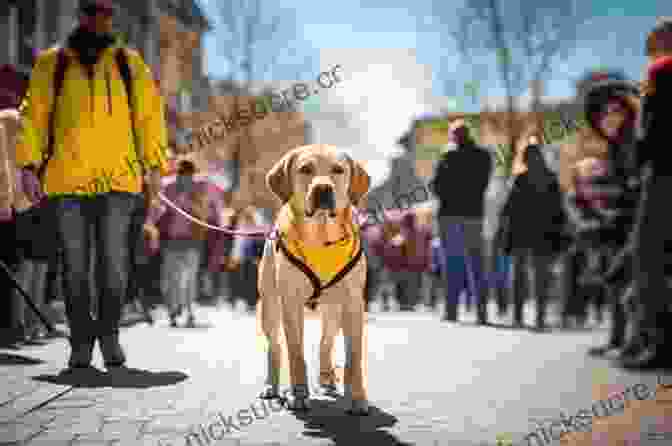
<point x="329" y="390"/>
<point x="298" y="403"/>
<point x="359" y="408"/>
<point x="298" y="399"/>
<point x="270" y="393"/>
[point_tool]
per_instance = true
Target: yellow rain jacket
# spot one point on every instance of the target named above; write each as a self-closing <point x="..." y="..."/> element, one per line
<point x="94" y="149"/>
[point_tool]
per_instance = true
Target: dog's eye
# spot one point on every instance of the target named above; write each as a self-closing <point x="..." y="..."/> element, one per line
<point x="337" y="170"/>
<point x="306" y="170"/>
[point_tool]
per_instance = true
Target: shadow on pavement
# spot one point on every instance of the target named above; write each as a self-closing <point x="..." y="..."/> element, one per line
<point x="119" y="378"/>
<point x="132" y="321"/>
<point x="10" y="359"/>
<point x="489" y="325"/>
<point x="195" y="326"/>
<point x="579" y="329"/>
<point x="327" y="419"/>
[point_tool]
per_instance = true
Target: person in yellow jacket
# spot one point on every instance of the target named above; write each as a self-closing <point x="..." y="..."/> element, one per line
<point x="94" y="178"/>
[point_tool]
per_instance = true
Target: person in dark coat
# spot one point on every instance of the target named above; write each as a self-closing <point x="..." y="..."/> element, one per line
<point x="651" y="240"/>
<point x="460" y="181"/>
<point x="536" y="222"/>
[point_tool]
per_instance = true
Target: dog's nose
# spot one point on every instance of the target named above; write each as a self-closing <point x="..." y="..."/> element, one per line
<point x="324" y="197"/>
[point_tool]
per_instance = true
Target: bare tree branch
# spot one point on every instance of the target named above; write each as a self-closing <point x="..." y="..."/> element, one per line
<point x="526" y="36"/>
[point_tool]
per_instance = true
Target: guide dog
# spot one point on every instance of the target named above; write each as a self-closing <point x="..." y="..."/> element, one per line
<point x="316" y="260"/>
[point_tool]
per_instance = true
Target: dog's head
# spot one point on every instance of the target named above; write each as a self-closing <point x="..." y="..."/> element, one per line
<point x="318" y="178"/>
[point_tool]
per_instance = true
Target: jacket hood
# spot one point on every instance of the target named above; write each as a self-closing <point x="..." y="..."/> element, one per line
<point x="602" y="92"/>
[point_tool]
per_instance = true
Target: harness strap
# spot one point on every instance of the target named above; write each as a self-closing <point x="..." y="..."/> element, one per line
<point x="313" y="302"/>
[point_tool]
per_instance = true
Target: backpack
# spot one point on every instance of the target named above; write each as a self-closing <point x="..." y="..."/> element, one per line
<point x="62" y="61"/>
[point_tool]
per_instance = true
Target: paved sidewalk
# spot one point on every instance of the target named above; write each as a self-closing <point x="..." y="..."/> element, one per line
<point x="431" y="384"/>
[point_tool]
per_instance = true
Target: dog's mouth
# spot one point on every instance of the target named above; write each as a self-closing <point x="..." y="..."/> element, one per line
<point x="321" y="202"/>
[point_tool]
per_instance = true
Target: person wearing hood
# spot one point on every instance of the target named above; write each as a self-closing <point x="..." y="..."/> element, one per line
<point x="650" y="243"/>
<point x="97" y="129"/>
<point x="602" y="198"/>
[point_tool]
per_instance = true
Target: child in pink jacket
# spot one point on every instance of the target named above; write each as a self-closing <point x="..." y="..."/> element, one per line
<point x="404" y="244"/>
<point x="183" y="241"/>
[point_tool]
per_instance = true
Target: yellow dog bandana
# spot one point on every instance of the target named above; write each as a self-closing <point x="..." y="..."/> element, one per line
<point x="325" y="261"/>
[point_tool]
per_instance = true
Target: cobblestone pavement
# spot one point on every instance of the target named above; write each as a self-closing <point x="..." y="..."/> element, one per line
<point x="431" y="384"/>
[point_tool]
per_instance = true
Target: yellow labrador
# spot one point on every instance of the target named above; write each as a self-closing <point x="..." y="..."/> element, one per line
<point x="316" y="260"/>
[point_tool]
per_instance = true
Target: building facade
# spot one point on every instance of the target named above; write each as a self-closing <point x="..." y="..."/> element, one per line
<point x="246" y="153"/>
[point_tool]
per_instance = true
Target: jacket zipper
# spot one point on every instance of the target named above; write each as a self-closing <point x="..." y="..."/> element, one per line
<point x="109" y="94"/>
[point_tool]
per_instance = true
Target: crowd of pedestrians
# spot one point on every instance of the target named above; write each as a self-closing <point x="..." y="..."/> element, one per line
<point x="589" y="211"/>
<point x="597" y="210"/>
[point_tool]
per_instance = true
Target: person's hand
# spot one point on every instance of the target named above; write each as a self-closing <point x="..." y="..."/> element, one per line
<point x="647" y="87"/>
<point x="153" y="181"/>
<point x="231" y="264"/>
<point x="154" y="208"/>
<point x="398" y="240"/>
<point x="151" y="233"/>
<point x="154" y="203"/>
<point x="10" y="115"/>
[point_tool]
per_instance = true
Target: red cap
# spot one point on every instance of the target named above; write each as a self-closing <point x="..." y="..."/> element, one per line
<point x="664" y="64"/>
<point x="600" y="77"/>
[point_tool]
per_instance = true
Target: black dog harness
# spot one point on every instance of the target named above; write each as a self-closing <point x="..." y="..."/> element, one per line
<point x="313" y="301"/>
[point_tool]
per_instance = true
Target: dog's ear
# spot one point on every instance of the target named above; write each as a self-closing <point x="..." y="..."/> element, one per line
<point x="360" y="181"/>
<point x="279" y="180"/>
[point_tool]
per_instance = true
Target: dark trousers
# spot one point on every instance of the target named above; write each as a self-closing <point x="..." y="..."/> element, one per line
<point x="652" y="240"/>
<point x="409" y="287"/>
<point x="531" y="279"/>
<point x="462" y="264"/>
<point x="575" y="303"/>
<point x="102" y="223"/>
<point x="617" y="296"/>
<point x="248" y="282"/>
<point x="497" y="269"/>
<point x="10" y="255"/>
<point x="54" y="279"/>
<point x="136" y="254"/>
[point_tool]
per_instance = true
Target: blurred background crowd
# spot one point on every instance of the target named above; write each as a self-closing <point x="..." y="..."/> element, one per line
<point x="504" y="225"/>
